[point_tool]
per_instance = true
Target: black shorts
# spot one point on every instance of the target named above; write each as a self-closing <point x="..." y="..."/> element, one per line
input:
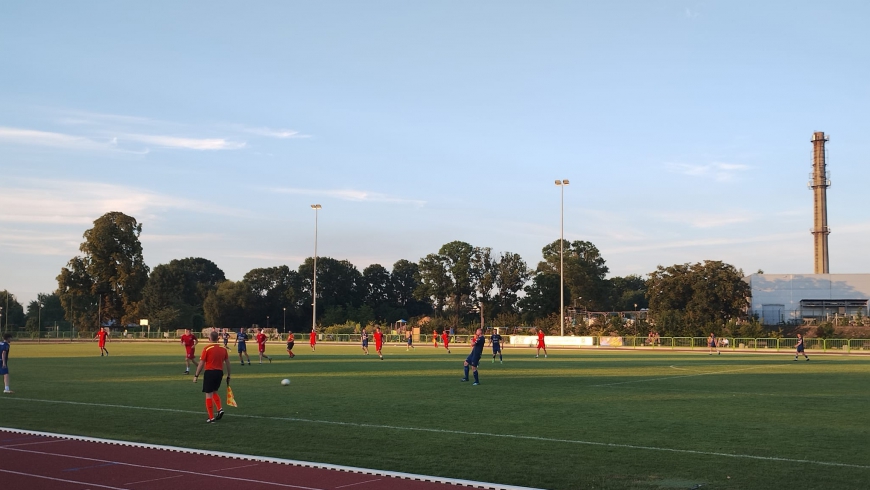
<point x="290" y="345"/>
<point x="211" y="380"/>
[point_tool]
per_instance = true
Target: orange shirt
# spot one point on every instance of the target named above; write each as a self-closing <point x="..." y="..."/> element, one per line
<point x="290" y="337"/>
<point x="214" y="357"/>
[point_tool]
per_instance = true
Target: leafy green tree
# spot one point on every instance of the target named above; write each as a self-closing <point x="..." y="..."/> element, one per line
<point x="512" y="274"/>
<point x="542" y="297"/>
<point x="338" y="283"/>
<point x="112" y="269"/>
<point x="403" y="281"/>
<point x="226" y="306"/>
<point x="50" y="312"/>
<point x="692" y="299"/>
<point x="458" y="261"/>
<point x="75" y="287"/>
<point x="484" y="275"/>
<point x="433" y="282"/>
<point x="585" y="270"/>
<point x="13" y="313"/>
<point x="377" y="288"/>
<point x="163" y="298"/>
<point x="626" y="292"/>
<point x="271" y="290"/>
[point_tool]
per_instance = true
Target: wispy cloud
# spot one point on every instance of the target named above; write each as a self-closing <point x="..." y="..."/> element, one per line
<point x="38" y="201"/>
<point x="184" y="143"/>
<point x="349" y="195"/>
<point x="722" y="172"/>
<point x="707" y="242"/>
<point x="274" y="133"/>
<point x="691" y="14"/>
<point x="32" y="137"/>
<point x="707" y="220"/>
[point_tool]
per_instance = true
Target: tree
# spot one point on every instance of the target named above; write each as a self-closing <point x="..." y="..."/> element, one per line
<point x="512" y="273"/>
<point x="376" y="286"/>
<point x="75" y="288"/>
<point x="404" y="281"/>
<point x="271" y="290"/>
<point x="625" y="292"/>
<point x="338" y="283"/>
<point x="112" y="268"/>
<point x="542" y="297"/>
<point x="457" y="258"/>
<point x="163" y="298"/>
<point x="433" y="282"/>
<point x="13" y="313"/>
<point x="225" y="307"/>
<point x="50" y="312"/>
<point x="483" y="269"/>
<point x="692" y="299"/>
<point x="584" y="271"/>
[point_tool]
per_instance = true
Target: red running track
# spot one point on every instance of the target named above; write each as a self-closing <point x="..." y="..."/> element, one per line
<point x="37" y="460"/>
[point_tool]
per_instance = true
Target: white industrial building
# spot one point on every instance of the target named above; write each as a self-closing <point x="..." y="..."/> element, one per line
<point x="799" y="298"/>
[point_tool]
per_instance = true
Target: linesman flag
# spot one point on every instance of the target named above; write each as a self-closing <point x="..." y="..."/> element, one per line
<point x="231" y="400"/>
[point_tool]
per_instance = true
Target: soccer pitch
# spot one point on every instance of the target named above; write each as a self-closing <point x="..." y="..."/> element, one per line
<point x="578" y="419"/>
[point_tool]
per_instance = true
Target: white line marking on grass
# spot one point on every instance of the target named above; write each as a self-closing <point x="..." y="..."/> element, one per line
<point x="155" y="479"/>
<point x="359" y="483"/>
<point x="416" y="429"/>
<point x="679" y="369"/>
<point x="84" y="484"/>
<point x="676" y="377"/>
<point x="158" y="468"/>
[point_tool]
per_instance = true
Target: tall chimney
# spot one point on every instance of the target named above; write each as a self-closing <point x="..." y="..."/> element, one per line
<point x="819" y="185"/>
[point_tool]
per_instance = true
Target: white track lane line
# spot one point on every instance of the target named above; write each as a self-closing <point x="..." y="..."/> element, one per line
<point x="155" y="479"/>
<point x="358" y="483"/>
<point x="84" y="484"/>
<point x="158" y="468"/>
<point x="444" y="431"/>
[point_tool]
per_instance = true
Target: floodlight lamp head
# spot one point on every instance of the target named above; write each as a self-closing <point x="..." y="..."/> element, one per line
<point x="565" y="182"/>
<point x="316" y="206"/>
<point x="558" y="182"/>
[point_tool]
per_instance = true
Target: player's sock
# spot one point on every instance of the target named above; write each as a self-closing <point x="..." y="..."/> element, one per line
<point x="476" y="380"/>
<point x="217" y="400"/>
<point x="209" y="407"/>
<point x="466" y="372"/>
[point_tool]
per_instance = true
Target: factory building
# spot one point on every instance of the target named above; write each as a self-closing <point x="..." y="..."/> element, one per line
<point x="804" y="298"/>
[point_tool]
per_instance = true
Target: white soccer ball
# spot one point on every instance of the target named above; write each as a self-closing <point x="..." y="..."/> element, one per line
<point x="285" y="382"/>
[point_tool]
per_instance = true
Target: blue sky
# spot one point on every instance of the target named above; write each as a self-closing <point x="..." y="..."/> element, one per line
<point x="683" y="126"/>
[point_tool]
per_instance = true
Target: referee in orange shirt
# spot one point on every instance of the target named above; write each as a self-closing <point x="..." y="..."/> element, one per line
<point x="213" y="359"/>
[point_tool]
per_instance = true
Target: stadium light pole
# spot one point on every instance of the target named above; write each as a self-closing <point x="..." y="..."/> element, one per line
<point x="1" y="318"/>
<point x="284" y="329"/>
<point x="38" y="320"/>
<point x="562" y="183"/>
<point x="315" y="207"/>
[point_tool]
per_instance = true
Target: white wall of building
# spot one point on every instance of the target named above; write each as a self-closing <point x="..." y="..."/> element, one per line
<point x="777" y="298"/>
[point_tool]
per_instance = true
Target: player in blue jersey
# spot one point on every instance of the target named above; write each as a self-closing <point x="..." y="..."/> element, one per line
<point x="712" y="344"/>
<point x="4" y="361"/>
<point x="365" y="341"/>
<point x="473" y="359"/>
<point x="495" y="342"/>
<point x="799" y="348"/>
<point x="241" y="338"/>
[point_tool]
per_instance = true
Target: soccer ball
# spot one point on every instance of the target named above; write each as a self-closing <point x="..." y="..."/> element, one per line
<point x="285" y="382"/>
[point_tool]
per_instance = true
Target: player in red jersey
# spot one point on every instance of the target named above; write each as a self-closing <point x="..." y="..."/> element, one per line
<point x="445" y="339"/>
<point x="312" y="339"/>
<point x="435" y="338"/>
<point x="291" y="341"/>
<point x="213" y="359"/>
<point x="188" y="340"/>
<point x="379" y="342"/>
<point x="103" y="336"/>
<point x="541" y="344"/>
<point x="261" y="346"/>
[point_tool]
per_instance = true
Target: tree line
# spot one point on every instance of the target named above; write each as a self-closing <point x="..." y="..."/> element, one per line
<point x="457" y="286"/>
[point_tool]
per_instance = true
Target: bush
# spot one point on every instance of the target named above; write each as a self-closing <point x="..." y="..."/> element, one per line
<point x="825" y="330"/>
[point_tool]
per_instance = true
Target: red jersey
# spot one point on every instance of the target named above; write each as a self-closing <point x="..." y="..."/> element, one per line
<point x="313" y="338"/>
<point x="102" y="335"/>
<point x="188" y="341"/>
<point x="444" y="337"/>
<point x="379" y="338"/>
<point x="261" y="338"/>
<point x="214" y="357"/>
<point x="540" y="338"/>
<point x="290" y="338"/>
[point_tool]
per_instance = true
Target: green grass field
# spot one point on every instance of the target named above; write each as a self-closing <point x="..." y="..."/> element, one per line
<point x="579" y="419"/>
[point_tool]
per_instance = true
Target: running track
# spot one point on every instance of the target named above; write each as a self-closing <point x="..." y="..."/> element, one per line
<point x="39" y="460"/>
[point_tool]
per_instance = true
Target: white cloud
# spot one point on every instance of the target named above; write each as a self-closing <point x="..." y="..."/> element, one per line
<point x="350" y="195"/>
<point x="32" y="137"/>
<point x="708" y="220"/>
<point x="185" y="143"/>
<point x="722" y="172"/>
<point x="275" y="133"/>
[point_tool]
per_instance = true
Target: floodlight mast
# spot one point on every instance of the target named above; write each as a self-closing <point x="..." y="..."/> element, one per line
<point x="315" y="207"/>
<point x="562" y="183"/>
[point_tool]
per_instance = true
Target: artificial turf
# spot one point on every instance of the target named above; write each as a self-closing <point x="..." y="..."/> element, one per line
<point x="577" y="419"/>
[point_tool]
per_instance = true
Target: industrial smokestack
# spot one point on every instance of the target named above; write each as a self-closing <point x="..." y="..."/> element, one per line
<point x="819" y="184"/>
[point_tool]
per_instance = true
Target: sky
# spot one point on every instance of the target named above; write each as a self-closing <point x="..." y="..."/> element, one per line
<point x="683" y="127"/>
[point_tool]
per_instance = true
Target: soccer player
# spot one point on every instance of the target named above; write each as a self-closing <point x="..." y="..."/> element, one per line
<point x="541" y="344"/>
<point x="445" y="339"/>
<point x="365" y="341"/>
<point x="188" y="340"/>
<point x="226" y="337"/>
<point x="312" y="339"/>
<point x="261" y="345"/>
<point x="799" y="349"/>
<point x="379" y="342"/>
<point x="435" y="338"/>
<point x="290" y="341"/>
<point x="241" y="338"/>
<point x="495" y="342"/>
<point x="103" y="336"/>
<point x="4" y="361"/>
<point x="409" y="337"/>
<point x="473" y="359"/>
<point x="213" y="359"/>
<point x="711" y="341"/>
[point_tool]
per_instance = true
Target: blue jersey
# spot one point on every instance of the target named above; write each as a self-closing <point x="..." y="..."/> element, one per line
<point x="476" y="350"/>
<point x="242" y="337"/>
<point x="495" y="339"/>
<point x="4" y="347"/>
